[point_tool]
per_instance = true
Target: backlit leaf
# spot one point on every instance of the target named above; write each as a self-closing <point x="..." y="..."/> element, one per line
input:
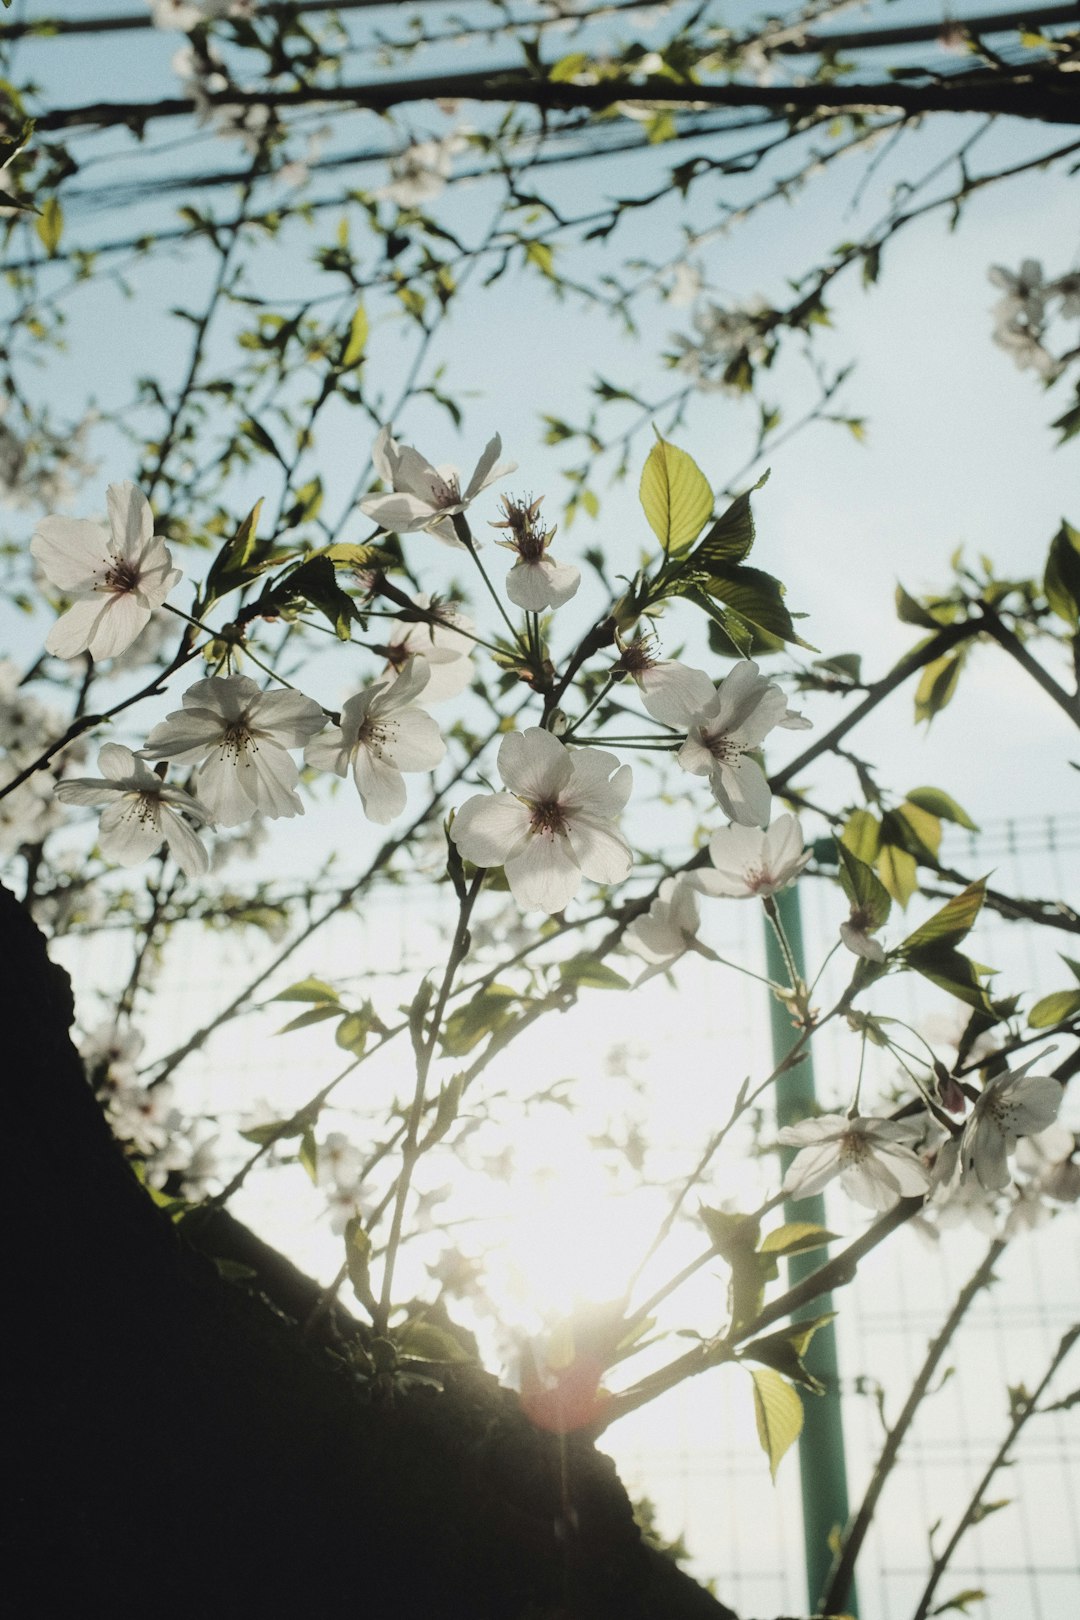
<point x="675" y="496"/>
<point x="778" y="1413"/>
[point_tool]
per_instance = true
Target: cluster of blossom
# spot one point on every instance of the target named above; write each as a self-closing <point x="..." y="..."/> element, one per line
<point x="420" y="171"/>
<point x="723" y="335"/>
<point x="182" y="16"/>
<point x="39" y="467"/>
<point x="339" y="1167"/>
<point x="146" y="1116"/>
<point x="878" y="1161"/>
<point x="204" y="76"/>
<point x="554" y="823"/>
<point x="1023" y="316"/>
<point x="28" y="813"/>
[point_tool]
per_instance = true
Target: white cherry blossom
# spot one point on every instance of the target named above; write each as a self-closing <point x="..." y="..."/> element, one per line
<point x="116" y="577"/>
<point x="425" y="497"/>
<point x="670" y="925"/>
<point x="749" y="863"/>
<point x="382" y="734"/>
<point x="743" y="709"/>
<point x="239" y="736"/>
<point x="671" y="691"/>
<point x="870" y="1156"/>
<point x="443" y="647"/>
<point x="556" y="823"/>
<point x="184" y="15"/>
<point x="1013" y="1104"/>
<point x="142" y="812"/>
<point x="421" y="170"/>
<point x="536" y="582"/>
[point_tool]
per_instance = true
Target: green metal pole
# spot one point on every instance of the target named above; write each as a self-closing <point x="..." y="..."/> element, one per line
<point x="821" y="1445"/>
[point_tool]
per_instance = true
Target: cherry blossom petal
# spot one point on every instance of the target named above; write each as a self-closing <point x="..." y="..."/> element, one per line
<point x="601" y="853"/>
<point x="534" y="764"/>
<point x="130" y="519"/>
<point x="542" y="584"/>
<point x="330" y="752"/>
<point x="398" y="513"/>
<point x="486" y="469"/>
<point x="130" y="830"/>
<point x="674" y="692"/>
<point x="380" y="785"/>
<point x="73" y="552"/>
<point x="543" y="875"/>
<point x="490" y="827"/>
<point x="75" y="630"/>
<point x="742" y="790"/>
<point x="414" y="742"/>
<point x="116" y="628"/>
<point x="188" y="851"/>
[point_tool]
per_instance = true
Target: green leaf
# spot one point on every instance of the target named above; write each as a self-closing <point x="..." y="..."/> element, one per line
<point x="756" y="597"/>
<point x="898" y="872"/>
<point x="778" y="1413"/>
<point x="308" y="1155"/>
<point x="937" y="685"/>
<point x="231" y="566"/>
<point x="357" y="340"/>
<point x="862" y="836"/>
<point x="358" y="1260"/>
<point x="315" y="582"/>
<point x="796" y="1237"/>
<point x="1061" y="582"/>
<point x="954" y="972"/>
<point x="961" y="1603"/>
<point x="863" y="888"/>
<point x="942" y="805"/>
<point x="1054" y="1009"/>
<point x="912" y="612"/>
<point x="314" y="1015"/>
<point x="307" y="990"/>
<point x="233" y="1271"/>
<point x="352" y="1033"/>
<point x="588" y="972"/>
<point x="949" y="925"/>
<point x="50" y="225"/>
<point x="254" y="430"/>
<point x="675" y="496"/>
<point x="486" y="1013"/>
<point x="542" y="254"/>
<point x="276" y="1130"/>
<point x="784" y="1351"/>
<point x="732" y="535"/>
<point x="916" y="829"/>
<point x="424" y="1341"/>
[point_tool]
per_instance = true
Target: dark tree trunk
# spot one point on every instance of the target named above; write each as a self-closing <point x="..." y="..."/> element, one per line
<point x="174" y="1444"/>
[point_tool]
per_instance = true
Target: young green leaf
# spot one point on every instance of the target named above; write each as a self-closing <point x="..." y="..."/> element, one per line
<point x="357" y="341"/>
<point x="1054" y="1009"/>
<point x="675" y="496"/>
<point x="863" y="888"/>
<point x="1061" y="582"/>
<point x="50" y="225"/>
<point x="949" y="925"/>
<point x="941" y="804"/>
<point x="778" y="1413"/>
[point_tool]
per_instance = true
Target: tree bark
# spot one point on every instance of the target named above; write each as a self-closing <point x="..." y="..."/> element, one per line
<point x="175" y="1443"/>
